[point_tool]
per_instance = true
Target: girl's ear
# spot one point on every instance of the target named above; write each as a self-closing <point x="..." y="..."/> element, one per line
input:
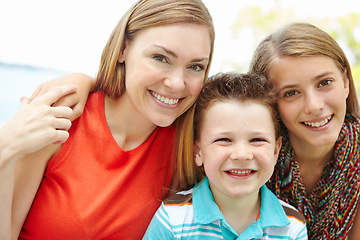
<point x="346" y="83"/>
<point x="277" y="149"/>
<point x="197" y="155"/>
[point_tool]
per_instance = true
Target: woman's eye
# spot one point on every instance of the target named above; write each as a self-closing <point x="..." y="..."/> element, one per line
<point x="160" y="58"/>
<point x="325" y="82"/>
<point x="290" y="93"/>
<point x="197" y="67"/>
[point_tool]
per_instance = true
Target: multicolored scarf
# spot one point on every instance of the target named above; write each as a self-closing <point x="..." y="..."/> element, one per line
<point x="330" y="209"/>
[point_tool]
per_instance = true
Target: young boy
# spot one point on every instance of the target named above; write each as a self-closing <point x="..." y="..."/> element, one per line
<point x="236" y="144"/>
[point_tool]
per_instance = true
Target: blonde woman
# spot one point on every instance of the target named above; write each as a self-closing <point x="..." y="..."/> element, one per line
<point x="108" y="178"/>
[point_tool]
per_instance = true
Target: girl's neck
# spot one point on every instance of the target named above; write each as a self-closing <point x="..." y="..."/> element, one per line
<point x="312" y="161"/>
<point x="240" y="212"/>
<point x="312" y="155"/>
<point x="127" y="125"/>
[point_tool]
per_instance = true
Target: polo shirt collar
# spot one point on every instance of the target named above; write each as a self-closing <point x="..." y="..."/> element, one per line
<point x="206" y="211"/>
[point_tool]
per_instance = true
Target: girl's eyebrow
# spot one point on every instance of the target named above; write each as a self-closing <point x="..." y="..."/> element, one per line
<point x="321" y="75"/>
<point x="317" y="77"/>
<point x="287" y="86"/>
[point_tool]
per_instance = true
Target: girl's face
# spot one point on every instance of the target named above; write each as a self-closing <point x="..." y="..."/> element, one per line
<point x="237" y="147"/>
<point x="312" y="98"/>
<point x="165" y="69"/>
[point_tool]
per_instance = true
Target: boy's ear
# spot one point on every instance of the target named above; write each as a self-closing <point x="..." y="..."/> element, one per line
<point x="197" y="155"/>
<point x="277" y="149"/>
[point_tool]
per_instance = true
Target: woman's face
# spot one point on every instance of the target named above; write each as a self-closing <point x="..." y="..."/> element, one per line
<point x="165" y="69"/>
<point x="312" y="98"/>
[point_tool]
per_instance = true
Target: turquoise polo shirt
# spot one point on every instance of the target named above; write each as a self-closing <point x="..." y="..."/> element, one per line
<point x="200" y="218"/>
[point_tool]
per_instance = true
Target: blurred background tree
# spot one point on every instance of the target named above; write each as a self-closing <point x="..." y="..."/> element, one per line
<point x="254" y="23"/>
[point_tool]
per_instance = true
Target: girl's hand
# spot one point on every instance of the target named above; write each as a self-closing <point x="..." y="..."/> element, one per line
<point x="75" y="100"/>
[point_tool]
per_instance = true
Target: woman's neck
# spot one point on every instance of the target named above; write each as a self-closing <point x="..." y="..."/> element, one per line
<point x="127" y="125"/>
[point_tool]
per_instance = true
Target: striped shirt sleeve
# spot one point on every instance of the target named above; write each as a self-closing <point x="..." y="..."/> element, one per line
<point x="159" y="227"/>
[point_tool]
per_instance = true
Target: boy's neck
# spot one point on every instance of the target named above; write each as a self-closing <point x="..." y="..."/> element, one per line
<point x="240" y="212"/>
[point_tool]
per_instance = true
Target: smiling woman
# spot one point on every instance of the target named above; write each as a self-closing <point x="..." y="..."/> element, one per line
<point x="122" y="146"/>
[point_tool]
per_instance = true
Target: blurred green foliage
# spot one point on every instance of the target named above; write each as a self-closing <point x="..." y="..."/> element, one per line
<point x="344" y="29"/>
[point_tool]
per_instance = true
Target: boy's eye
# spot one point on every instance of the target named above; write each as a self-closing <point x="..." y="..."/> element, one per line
<point x="222" y="140"/>
<point x="258" y="140"/>
<point x="160" y="58"/>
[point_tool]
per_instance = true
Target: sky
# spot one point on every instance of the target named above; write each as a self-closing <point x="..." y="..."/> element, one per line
<point x="69" y="35"/>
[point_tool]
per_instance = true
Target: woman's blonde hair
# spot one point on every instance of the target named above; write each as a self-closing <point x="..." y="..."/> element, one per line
<point x="146" y="14"/>
<point x="301" y="40"/>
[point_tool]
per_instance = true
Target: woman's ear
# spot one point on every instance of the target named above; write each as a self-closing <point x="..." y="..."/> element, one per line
<point x="197" y="155"/>
<point x="121" y="57"/>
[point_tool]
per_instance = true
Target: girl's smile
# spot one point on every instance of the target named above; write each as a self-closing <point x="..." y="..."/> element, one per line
<point x="312" y="96"/>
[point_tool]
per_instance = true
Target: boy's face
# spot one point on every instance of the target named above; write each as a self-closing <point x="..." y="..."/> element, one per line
<point x="237" y="147"/>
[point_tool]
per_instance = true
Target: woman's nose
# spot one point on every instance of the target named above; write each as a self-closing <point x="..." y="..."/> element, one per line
<point x="175" y="80"/>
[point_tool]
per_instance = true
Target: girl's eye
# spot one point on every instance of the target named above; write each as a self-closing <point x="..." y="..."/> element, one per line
<point x="325" y="82"/>
<point x="197" y="67"/>
<point x="160" y="58"/>
<point x="290" y="93"/>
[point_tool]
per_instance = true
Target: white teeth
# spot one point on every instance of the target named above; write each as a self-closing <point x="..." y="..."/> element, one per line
<point x="163" y="99"/>
<point x="318" y="124"/>
<point x="240" y="171"/>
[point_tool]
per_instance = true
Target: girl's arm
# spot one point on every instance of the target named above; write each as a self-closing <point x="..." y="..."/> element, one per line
<point x="76" y="100"/>
<point x="34" y="126"/>
<point x="354" y="233"/>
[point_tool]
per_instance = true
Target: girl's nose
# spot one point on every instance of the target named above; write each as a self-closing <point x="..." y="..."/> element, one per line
<point x="314" y="103"/>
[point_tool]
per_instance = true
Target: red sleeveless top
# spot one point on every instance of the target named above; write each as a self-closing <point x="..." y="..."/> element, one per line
<point x="92" y="189"/>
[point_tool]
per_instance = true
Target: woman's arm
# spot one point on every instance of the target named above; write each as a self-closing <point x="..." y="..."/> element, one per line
<point x="34" y="126"/>
<point x="76" y="100"/>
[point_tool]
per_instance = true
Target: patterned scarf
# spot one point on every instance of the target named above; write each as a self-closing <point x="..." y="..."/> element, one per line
<point x="330" y="209"/>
